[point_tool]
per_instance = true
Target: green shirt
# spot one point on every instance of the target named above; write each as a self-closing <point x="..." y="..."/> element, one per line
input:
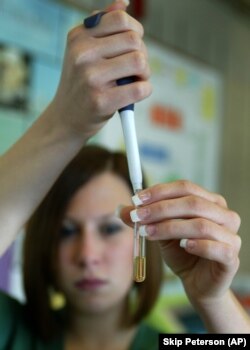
<point x="15" y="333"/>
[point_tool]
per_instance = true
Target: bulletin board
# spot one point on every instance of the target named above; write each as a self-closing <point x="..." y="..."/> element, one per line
<point x="179" y="125"/>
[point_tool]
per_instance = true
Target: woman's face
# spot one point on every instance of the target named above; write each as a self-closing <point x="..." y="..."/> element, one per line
<point x="95" y="250"/>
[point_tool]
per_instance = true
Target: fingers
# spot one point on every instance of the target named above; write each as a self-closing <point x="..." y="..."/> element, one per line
<point x="133" y="63"/>
<point x="195" y="233"/>
<point x="112" y="50"/>
<point x="113" y="39"/>
<point x="95" y="58"/>
<point x="184" y="200"/>
<point x="172" y="211"/>
<point x="118" y="5"/>
<point x="199" y="237"/>
<point x="122" y="96"/>
<point x="176" y="189"/>
<point x="115" y="21"/>
<point x="195" y="229"/>
<point x="186" y="207"/>
<point x="184" y="212"/>
<point x="123" y="212"/>
<point x="115" y="30"/>
<point x="190" y="229"/>
<point x="122" y="43"/>
<point x="220" y="252"/>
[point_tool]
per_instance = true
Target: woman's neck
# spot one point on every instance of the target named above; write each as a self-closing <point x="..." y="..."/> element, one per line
<point x="98" y="331"/>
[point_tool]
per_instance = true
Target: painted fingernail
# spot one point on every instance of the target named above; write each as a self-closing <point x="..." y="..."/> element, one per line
<point x="183" y="243"/>
<point x="187" y="243"/>
<point x="139" y="214"/>
<point x="147" y="230"/>
<point x="141" y="197"/>
<point x="126" y="2"/>
<point x="142" y="231"/>
<point x="118" y="210"/>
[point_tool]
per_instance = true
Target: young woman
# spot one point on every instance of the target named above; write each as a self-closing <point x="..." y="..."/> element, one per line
<point x="74" y="243"/>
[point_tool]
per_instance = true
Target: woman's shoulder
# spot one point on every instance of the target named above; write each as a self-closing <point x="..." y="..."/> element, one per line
<point x="10" y="310"/>
<point x="7" y="302"/>
<point x="146" y="338"/>
<point x="15" y="330"/>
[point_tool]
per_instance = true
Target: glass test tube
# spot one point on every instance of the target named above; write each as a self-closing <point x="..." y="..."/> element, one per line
<point x="139" y="255"/>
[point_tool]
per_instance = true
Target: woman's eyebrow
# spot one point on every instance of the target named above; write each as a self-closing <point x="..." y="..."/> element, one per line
<point x="69" y="220"/>
<point x="108" y="215"/>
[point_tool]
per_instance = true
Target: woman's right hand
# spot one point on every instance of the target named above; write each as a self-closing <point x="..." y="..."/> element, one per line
<point x="95" y="58"/>
<point x="207" y="259"/>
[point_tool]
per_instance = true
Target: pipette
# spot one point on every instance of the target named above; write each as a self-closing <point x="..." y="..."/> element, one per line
<point x="134" y="164"/>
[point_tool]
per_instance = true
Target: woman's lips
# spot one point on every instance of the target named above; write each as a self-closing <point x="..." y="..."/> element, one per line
<point x="90" y="284"/>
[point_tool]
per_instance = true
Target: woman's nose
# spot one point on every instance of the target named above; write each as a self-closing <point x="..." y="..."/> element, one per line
<point x="88" y="249"/>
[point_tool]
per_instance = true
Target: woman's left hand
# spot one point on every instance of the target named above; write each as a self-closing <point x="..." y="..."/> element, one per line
<point x="197" y="235"/>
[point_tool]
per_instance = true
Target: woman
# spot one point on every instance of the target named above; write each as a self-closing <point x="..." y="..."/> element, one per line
<point x="206" y="261"/>
<point x="75" y="244"/>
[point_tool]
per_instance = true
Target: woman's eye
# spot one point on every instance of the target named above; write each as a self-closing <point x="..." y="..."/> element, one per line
<point x="110" y="228"/>
<point x="68" y="230"/>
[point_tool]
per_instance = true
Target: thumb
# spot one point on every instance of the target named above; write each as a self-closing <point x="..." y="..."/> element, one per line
<point x="123" y="212"/>
<point x="118" y="5"/>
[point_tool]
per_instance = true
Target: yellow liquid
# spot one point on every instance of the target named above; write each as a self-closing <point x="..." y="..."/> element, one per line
<point x="139" y="269"/>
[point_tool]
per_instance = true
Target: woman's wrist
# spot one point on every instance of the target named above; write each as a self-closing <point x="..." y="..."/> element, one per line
<point x="58" y="121"/>
<point x="69" y="121"/>
<point x="223" y="314"/>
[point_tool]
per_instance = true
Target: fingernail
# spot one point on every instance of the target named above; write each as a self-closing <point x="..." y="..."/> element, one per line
<point x="142" y="231"/>
<point x="147" y="230"/>
<point x="126" y="2"/>
<point x="187" y="243"/>
<point x="139" y="214"/>
<point x="118" y="210"/>
<point x="183" y="243"/>
<point x="141" y="197"/>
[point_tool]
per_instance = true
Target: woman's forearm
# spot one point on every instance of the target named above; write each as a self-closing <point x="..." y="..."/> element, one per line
<point x="29" y="168"/>
<point x="225" y="316"/>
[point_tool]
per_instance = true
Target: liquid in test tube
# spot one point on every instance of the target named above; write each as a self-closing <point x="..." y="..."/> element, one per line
<point x="139" y="255"/>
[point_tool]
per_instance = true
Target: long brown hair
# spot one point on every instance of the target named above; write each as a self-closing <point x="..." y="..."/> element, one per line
<point x="40" y="244"/>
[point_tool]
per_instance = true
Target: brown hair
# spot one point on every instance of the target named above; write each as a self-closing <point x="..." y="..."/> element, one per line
<point x="40" y="244"/>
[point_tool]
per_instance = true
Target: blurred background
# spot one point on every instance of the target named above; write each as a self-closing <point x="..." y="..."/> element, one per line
<point x="194" y="126"/>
